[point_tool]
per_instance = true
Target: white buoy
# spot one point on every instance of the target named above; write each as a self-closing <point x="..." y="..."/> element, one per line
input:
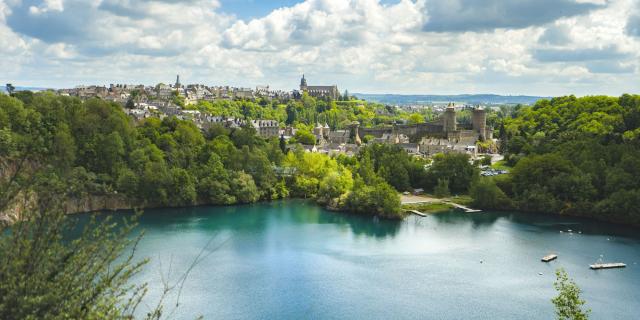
<point x="539" y="273"/>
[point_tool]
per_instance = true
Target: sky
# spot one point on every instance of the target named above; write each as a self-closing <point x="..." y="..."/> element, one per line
<point x="532" y="47"/>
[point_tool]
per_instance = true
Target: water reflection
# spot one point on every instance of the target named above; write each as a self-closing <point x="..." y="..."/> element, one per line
<point x="362" y="225"/>
<point x="477" y="220"/>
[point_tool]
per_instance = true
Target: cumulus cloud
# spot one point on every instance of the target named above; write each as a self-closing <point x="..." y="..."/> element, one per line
<point x="633" y="24"/>
<point x="164" y="28"/>
<point x="426" y="46"/>
<point x="316" y="22"/>
<point x="580" y="54"/>
<point x="556" y="35"/>
<point x="486" y="15"/>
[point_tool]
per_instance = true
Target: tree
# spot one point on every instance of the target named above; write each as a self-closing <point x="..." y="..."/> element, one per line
<point x="244" y="188"/>
<point x="416" y="118"/>
<point x="292" y="114"/>
<point x="335" y="184"/>
<point x="63" y="148"/>
<point x="283" y="144"/>
<point x="130" y="103"/>
<point x="379" y="199"/>
<point x="486" y="194"/>
<point x="183" y="188"/>
<point x="305" y="137"/>
<point x="454" y="167"/>
<point x="569" y="305"/>
<point x="442" y="189"/>
<point x="10" y="88"/>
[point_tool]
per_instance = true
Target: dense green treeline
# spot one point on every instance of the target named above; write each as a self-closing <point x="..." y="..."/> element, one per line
<point x="578" y="156"/>
<point x="95" y="148"/>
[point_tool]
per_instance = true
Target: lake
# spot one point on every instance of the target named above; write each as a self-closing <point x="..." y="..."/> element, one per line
<point x="293" y="259"/>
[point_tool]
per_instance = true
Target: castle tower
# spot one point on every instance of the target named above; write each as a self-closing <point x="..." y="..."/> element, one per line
<point x="449" y="122"/>
<point x="479" y="121"/>
<point x="354" y="134"/>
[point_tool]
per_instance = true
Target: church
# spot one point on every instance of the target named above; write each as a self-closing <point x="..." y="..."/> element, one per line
<point x="327" y="92"/>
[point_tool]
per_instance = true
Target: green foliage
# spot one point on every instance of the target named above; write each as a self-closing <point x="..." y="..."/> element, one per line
<point x="171" y="162"/>
<point x="377" y="199"/>
<point x="569" y="305"/>
<point x="455" y="168"/>
<point x="416" y="118"/>
<point x="394" y="165"/>
<point x="442" y="189"/>
<point x="53" y="266"/>
<point x="487" y="195"/>
<point x="305" y="137"/>
<point x="576" y="156"/>
<point x="334" y="185"/>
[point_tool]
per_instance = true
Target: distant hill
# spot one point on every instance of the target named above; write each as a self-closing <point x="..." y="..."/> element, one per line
<point x="401" y="99"/>
<point x="4" y="89"/>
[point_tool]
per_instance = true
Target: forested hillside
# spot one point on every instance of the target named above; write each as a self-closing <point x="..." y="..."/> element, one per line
<point x="93" y="148"/>
<point x="578" y="156"/>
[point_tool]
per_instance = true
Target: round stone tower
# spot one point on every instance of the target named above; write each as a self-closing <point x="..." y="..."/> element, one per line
<point x="479" y="121"/>
<point x="449" y="122"/>
<point x="354" y="135"/>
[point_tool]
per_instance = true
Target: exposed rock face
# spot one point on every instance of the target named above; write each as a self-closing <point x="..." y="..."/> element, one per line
<point x="16" y="209"/>
<point x="92" y="203"/>
<point x="24" y="202"/>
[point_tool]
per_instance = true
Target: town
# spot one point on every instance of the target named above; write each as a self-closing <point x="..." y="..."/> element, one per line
<point x="441" y="135"/>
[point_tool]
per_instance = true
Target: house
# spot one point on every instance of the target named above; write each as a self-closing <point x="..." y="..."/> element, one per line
<point x="410" y="148"/>
<point x="266" y="128"/>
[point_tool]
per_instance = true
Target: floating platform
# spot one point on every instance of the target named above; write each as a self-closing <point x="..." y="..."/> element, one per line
<point x="549" y="258"/>
<point x="598" y="266"/>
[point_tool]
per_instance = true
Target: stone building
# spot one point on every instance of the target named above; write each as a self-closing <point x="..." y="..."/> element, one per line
<point x="328" y="92"/>
<point x="266" y="128"/>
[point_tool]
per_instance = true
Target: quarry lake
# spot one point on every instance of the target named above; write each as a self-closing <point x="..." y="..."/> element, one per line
<point x="295" y="260"/>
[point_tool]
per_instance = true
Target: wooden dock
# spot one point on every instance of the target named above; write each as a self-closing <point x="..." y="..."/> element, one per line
<point x="466" y="209"/>
<point x="599" y="266"/>
<point x="416" y="212"/>
<point x="549" y="258"/>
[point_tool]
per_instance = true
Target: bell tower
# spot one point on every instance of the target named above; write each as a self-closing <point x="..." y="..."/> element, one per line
<point x="303" y="84"/>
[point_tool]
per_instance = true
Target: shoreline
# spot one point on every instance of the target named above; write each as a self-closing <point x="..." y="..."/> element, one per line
<point x="114" y="203"/>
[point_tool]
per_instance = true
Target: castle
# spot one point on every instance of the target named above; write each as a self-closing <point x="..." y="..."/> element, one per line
<point x="330" y="92"/>
<point x="446" y="127"/>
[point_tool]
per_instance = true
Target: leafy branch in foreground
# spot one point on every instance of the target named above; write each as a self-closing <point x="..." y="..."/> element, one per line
<point x="569" y="305"/>
<point x="46" y="273"/>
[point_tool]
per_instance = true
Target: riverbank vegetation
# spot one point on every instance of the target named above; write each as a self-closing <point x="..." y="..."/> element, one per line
<point x="577" y="156"/>
<point x="95" y="149"/>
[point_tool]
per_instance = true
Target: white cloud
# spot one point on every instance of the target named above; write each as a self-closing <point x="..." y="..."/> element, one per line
<point x="361" y="45"/>
<point x="47" y="5"/>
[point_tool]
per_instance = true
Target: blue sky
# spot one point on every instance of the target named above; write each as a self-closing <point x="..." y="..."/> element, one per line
<point x="247" y="9"/>
<point x="535" y="47"/>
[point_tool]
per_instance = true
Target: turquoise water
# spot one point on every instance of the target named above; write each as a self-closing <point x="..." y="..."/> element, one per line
<point x="293" y="260"/>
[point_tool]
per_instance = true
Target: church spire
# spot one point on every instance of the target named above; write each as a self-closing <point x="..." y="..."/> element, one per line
<point x="303" y="84"/>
